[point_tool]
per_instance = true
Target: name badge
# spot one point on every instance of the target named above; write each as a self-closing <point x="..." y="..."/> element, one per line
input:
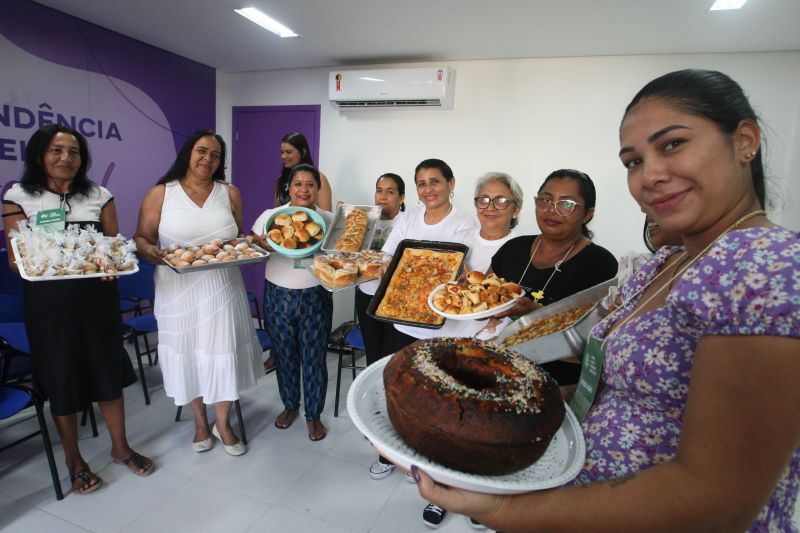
<point x="52" y="220"/>
<point x="591" y="370"/>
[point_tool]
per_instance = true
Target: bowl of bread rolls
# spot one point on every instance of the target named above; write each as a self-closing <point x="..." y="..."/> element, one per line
<point x="295" y="231"/>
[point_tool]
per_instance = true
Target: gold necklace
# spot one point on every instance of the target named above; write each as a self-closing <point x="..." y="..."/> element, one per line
<point x="678" y="272"/>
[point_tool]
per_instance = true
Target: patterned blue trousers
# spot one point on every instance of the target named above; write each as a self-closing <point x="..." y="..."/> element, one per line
<point x="298" y="322"/>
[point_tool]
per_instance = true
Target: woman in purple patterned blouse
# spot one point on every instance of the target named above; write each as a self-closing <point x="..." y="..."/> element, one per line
<point x="697" y="424"/>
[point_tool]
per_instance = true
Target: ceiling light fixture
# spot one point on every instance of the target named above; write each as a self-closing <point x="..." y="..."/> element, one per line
<point x="719" y="5"/>
<point x="266" y="22"/>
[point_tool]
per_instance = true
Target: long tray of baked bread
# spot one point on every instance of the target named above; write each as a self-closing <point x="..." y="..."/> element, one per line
<point x="337" y="228"/>
<point x="389" y="297"/>
<point x="570" y="319"/>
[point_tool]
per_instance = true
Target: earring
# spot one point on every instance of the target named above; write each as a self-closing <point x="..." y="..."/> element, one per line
<point x="751" y="155"/>
<point x="452" y="194"/>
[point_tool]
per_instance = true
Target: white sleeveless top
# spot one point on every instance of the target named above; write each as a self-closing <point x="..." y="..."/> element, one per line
<point x="184" y="222"/>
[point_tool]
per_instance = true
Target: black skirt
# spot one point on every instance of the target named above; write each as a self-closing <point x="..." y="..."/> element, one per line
<point x="75" y="334"/>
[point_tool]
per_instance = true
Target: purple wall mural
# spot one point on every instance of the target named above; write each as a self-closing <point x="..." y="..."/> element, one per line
<point x="135" y="103"/>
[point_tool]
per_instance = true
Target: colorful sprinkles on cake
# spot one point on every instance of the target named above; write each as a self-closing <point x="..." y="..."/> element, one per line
<point x="520" y="395"/>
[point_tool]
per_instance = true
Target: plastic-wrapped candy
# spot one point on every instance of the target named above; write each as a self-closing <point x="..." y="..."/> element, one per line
<point x="73" y="252"/>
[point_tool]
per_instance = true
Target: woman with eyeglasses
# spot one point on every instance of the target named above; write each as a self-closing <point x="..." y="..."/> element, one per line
<point x="498" y="201"/>
<point x="562" y="260"/>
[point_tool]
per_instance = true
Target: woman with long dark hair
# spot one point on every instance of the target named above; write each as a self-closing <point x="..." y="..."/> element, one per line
<point x="207" y="346"/>
<point x="295" y="151"/>
<point x="76" y="349"/>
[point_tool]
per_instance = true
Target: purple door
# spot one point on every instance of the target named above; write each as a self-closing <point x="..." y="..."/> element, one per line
<point x="257" y="133"/>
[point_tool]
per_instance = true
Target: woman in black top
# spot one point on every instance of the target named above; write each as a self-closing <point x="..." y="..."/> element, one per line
<point x="560" y="261"/>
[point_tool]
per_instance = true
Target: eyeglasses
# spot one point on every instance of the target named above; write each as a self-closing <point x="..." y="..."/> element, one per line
<point x="499" y="202"/>
<point x="563" y="208"/>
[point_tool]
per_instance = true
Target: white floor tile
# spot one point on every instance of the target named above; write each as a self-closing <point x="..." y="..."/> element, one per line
<point x="266" y="472"/>
<point x="199" y="507"/>
<point x="123" y="498"/>
<point x="29" y="520"/>
<point x="340" y="492"/>
<point x="284" y="520"/>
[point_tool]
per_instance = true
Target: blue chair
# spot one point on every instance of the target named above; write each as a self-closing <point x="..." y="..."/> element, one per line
<point x="137" y="291"/>
<point x="266" y="344"/>
<point x="141" y="326"/>
<point x="350" y="344"/>
<point x="10" y="281"/>
<point x="252" y="300"/>
<point x="16" y="366"/>
<point x="17" y="398"/>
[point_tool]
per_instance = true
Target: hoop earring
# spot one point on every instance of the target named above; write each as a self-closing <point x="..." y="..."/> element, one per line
<point x="452" y="194"/>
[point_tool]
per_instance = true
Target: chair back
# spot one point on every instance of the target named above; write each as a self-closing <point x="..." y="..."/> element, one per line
<point x="11" y="309"/>
<point x="139" y="286"/>
<point x="10" y="281"/>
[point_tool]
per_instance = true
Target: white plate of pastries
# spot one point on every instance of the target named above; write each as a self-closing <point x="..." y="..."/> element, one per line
<point x="474" y="295"/>
<point x="218" y="253"/>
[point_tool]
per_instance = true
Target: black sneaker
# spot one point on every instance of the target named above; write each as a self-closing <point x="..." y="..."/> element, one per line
<point x="433" y="515"/>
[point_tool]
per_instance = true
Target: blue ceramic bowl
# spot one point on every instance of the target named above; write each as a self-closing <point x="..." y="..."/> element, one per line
<point x="296" y="252"/>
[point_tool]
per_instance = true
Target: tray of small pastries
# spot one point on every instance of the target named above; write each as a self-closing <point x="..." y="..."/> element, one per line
<point x="341" y="270"/>
<point x="352" y="228"/>
<point x="416" y="269"/>
<point x="76" y="253"/>
<point x="217" y="253"/>
<point x="558" y="330"/>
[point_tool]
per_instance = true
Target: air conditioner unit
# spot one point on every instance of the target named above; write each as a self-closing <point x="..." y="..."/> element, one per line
<point x="392" y="88"/>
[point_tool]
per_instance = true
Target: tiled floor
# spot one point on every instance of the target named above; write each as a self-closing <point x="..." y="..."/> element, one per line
<point x="284" y="483"/>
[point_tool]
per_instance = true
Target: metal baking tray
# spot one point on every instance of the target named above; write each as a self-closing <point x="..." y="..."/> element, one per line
<point x="24" y="275"/>
<point x="565" y="343"/>
<point x="308" y="263"/>
<point x="411" y="243"/>
<point x="227" y="264"/>
<point x="337" y="226"/>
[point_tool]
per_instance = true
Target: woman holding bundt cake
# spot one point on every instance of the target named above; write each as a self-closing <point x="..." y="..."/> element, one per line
<point x="562" y="260"/>
<point x="696" y="425"/>
<point x="297" y="315"/>
<point x="207" y="345"/>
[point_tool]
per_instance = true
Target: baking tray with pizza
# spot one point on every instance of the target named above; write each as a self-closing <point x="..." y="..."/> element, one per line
<point x="415" y="270"/>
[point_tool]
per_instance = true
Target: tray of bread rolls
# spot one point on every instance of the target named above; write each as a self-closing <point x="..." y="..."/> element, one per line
<point x="218" y="253"/>
<point x="352" y="228"/>
<point x="342" y="270"/>
<point x="559" y="330"/>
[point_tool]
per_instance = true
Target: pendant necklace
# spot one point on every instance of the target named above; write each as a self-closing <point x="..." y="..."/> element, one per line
<point x="539" y="295"/>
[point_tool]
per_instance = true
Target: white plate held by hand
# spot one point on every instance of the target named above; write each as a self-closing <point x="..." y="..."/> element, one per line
<point x="471" y="316"/>
<point x="366" y="403"/>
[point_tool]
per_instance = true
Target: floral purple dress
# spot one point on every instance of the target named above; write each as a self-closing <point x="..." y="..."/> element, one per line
<point x="747" y="284"/>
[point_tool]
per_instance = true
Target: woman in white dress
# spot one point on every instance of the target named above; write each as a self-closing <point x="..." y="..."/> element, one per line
<point x="207" y="345"/>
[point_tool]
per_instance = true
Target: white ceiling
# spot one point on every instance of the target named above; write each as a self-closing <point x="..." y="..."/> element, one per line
<point x="359" y="32"/>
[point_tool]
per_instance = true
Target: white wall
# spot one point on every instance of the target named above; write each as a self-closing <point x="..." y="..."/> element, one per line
<point x="527" y="117"/>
